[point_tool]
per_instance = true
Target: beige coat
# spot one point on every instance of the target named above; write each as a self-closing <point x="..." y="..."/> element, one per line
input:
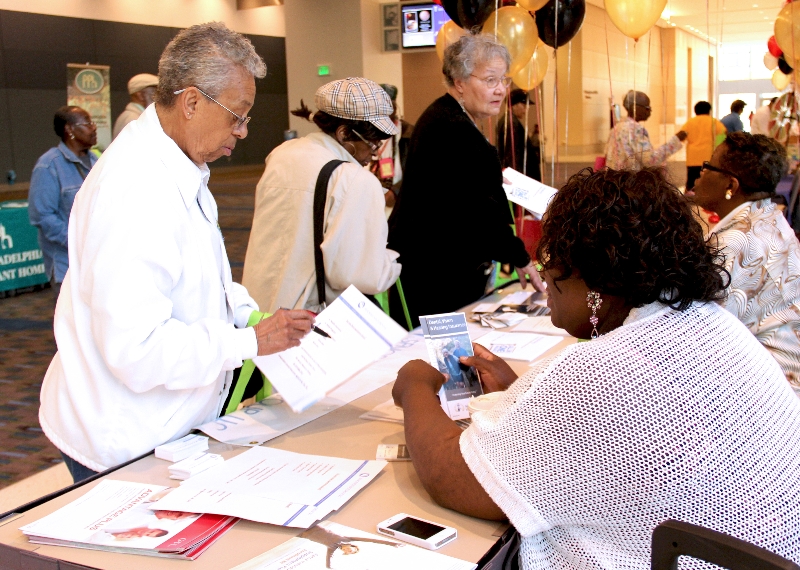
<point x="279" y="264"/>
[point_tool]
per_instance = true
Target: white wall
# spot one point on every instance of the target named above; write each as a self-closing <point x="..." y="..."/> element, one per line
<point x="379" y="66"/>
<point x="267" y="21"/>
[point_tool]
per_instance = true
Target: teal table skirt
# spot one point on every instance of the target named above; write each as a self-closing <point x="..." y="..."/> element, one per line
<point x="21" y="263"/>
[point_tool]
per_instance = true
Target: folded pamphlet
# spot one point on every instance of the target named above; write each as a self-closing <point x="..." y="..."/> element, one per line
<point x="115" y="517"/>
<point x="447" y="339"/>
<point x="182" y="448"/>
<point x="527" y="192"/>
<point x="331" y="545"/>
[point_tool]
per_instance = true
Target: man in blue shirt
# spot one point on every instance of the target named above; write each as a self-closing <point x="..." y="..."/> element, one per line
<point x="733" y="122"/>
<point x="57" y="177"/>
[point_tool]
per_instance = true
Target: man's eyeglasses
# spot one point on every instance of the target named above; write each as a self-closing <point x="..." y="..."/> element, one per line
<point x="492" y="82"/>
<point x="707" y="166"/>
<point x="371" y="145"/>
<point x="240" y="121"/>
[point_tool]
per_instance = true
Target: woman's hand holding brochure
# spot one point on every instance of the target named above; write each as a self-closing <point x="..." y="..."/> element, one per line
<point x="496" y="375"/>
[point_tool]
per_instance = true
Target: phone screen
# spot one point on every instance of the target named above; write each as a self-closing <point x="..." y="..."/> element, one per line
<point x="416" y="528"/>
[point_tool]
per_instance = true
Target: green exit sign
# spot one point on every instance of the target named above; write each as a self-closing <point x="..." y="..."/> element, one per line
<point x="323" y="70"/>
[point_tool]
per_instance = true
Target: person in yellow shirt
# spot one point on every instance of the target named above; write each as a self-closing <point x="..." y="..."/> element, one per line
<point x="703" y="131"/>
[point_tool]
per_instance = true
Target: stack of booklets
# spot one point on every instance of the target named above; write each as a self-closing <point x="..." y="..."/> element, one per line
<point x="331" y="545"/>
<point x="274" y="486"/>
<point x="116" y="516"/>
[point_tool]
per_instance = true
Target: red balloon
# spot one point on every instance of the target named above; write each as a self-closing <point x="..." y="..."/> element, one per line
<point x="773" y="48"/>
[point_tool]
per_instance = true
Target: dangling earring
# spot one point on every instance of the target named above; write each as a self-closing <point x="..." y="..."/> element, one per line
<point x="728" y="195"/>
<point x="353" y="152"/>
<point x="594" y="301"/>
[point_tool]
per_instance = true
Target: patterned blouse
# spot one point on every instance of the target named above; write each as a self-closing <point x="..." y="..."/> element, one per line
<point x="629" y="148"/>
<point x="762" y="255"/>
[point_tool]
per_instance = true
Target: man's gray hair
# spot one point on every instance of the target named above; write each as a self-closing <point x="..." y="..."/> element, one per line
<point x="462" y="57"/>
<point x="203" y="56"/>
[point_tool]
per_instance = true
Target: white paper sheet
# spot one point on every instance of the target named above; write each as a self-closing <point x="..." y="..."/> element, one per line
<point x="541" y="325"/>
<point x="527" y="192"/>
<point x="517" y="298"/>
<point x="360" y="334"/>
<point x="269" y="418"/>
<point x="236" y="494"/>
<point x="518" y="346"/>
<point x="278" y="474"/>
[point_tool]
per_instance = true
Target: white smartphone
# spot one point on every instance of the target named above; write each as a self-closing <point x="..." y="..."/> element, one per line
<point x="417" y="531"/>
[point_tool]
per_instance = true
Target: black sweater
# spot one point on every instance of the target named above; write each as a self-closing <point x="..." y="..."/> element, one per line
<point x="452" y="215"/>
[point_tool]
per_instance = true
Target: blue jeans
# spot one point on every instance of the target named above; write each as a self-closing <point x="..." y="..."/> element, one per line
<point x="78" y="471"/>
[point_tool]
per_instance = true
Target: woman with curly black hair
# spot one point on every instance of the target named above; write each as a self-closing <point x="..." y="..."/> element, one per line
<point x="672" y="411"/>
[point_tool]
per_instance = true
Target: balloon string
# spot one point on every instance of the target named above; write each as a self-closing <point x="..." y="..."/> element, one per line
<point x="554" y="155"/>
<point x="525" y="148"/>
<point x="569" y="76"/>
<point x="509" y="126"/>
<point x="610" y="83"/>
<point x="496" y="17"/>
<point x="540" y="121"/>
<point x="663" y="85"/>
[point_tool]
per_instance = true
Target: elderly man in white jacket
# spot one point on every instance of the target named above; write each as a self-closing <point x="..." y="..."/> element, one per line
<point x="149" y="324"/>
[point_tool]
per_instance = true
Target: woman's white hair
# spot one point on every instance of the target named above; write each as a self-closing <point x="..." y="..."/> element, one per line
<point x="470" y="51"/>
<point x="203" y="56"/>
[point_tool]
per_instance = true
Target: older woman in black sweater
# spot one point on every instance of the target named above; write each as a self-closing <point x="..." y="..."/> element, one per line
<point x="452" y="218"/>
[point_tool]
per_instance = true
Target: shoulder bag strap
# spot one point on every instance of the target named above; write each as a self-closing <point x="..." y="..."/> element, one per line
<point x="320" y="196"/>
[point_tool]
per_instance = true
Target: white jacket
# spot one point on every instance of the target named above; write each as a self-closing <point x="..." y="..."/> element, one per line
<point x="279" y="265"/>
<point x="144" y="323"/>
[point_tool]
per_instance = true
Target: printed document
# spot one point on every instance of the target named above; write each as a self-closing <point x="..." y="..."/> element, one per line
<point x="527" y="192"/>
<point x="269" y="418"/>
<point x="360" y="334"/>
<point x="274" y="487"/>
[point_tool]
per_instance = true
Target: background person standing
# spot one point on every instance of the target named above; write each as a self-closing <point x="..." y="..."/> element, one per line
<point x="702" y="132"/>
<point x="733" y="120"/>
<point x="57" y="177"/>
<point x="142" y="89"/>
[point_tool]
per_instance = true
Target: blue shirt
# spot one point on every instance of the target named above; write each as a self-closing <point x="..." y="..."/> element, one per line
<point x="733" y="123"/>
<point x="56" y="179"/>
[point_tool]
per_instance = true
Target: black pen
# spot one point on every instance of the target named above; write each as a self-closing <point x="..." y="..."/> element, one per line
<point x="320" y="332"/>
<point x="314" y="328"/>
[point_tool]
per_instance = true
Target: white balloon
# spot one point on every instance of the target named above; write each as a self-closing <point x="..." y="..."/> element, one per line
<point x="770" y="61"/>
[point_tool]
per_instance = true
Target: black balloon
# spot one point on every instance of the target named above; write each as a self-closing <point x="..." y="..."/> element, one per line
<point x="783" y="66"/>
<point x="570" y="20"/>
<point x="474" y="13"/>
<point x="451" y="7"/>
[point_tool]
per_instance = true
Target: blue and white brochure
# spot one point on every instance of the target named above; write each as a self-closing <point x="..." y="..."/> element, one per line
<point x="447" y="339"/>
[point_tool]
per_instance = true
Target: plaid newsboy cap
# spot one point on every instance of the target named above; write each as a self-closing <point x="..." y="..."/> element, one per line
<point x="357" y="99"/>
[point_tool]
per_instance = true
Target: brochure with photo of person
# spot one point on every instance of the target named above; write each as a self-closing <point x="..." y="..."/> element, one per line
<point x="329" y="545"/>
<point x="447" y="339"/>
<point x="114" y="516"/>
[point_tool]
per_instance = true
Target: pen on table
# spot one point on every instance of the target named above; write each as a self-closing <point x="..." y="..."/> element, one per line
<point x="314" y="328"/>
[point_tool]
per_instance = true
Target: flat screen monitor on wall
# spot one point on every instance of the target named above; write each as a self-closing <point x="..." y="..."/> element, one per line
<point x="421" y="23"/>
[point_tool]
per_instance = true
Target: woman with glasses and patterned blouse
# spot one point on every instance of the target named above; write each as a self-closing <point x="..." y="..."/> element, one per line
<point x="280" y="265"/>
<point x="452" y="195"/>
<point x="761" y="251"/>
<point x="56" y="179"/>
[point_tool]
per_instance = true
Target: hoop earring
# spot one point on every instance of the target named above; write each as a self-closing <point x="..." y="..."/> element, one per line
<point x="728" y="195"/>
<point x="594" y="301"/>
<point x="353" y="152"/>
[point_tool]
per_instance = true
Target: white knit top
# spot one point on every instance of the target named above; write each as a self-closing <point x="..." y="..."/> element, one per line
<point x="678" y="415"/>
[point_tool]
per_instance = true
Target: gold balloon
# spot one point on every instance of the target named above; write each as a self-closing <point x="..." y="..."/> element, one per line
<point x="534" y="71"/>
<point x="787" y="32"/>
<point x="532" y="5"/>
<point x="634" y="17"/>
<point x="780" y="80"/>
<point x="448" y="34"/>
<point x="516" y="29"/>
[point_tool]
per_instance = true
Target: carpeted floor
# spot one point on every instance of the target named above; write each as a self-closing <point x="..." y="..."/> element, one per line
<point x="27" y="344"/>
